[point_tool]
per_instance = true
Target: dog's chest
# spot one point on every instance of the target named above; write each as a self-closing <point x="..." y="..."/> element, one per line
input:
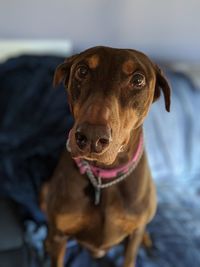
<point x="99" y="226"/>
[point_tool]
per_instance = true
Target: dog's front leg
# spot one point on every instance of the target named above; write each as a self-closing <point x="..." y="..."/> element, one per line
<point x="55" y="246"/>
<point x="131" y="249"/>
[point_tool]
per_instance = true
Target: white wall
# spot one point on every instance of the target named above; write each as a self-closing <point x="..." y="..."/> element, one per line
<point x="164" y="29"/>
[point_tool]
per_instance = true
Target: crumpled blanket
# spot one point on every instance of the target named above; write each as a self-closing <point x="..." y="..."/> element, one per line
<point x="34" y="121"/>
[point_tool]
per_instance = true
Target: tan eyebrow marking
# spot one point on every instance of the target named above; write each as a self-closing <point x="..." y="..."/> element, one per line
<point x="128" y="66"/>
<point x="93" y="61"/>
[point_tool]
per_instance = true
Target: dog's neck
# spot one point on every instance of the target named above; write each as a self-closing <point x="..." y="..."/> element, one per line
<point x="124" y="164"/>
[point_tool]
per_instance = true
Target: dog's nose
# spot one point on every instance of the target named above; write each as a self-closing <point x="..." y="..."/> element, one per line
<point x="93" y="138"/>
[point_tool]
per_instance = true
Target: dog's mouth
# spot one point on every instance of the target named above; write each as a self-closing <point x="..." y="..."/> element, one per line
<point x="106" y="157"/>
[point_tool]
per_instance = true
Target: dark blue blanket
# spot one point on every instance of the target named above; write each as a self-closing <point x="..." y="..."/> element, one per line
<point x="34" y="120"/>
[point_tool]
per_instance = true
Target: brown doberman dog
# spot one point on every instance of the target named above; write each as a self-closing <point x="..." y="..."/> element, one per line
<point x="101" y="192"/>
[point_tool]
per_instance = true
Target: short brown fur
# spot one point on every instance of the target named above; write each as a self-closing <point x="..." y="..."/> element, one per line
<point x="106" y="96"/>
<point x="128" y="66"/>
<point x="93" y="61"/>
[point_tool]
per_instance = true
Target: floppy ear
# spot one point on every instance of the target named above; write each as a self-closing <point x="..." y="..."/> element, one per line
<point x="162" y="84"/>
<point x="62" y="72"/>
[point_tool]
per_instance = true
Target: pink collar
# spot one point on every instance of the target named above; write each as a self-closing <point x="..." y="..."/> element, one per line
<point x="115" y="172"/>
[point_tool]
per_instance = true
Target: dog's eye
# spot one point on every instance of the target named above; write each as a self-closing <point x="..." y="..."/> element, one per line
<point x="82" y="72"/>
<point x="138" y="80"/>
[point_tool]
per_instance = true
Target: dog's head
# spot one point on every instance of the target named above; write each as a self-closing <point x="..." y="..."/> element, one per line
<point x="110" y="92"/>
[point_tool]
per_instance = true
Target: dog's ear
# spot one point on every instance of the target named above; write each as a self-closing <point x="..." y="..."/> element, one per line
<point x="162" y="84"/>
<point x="62" y="71"/>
